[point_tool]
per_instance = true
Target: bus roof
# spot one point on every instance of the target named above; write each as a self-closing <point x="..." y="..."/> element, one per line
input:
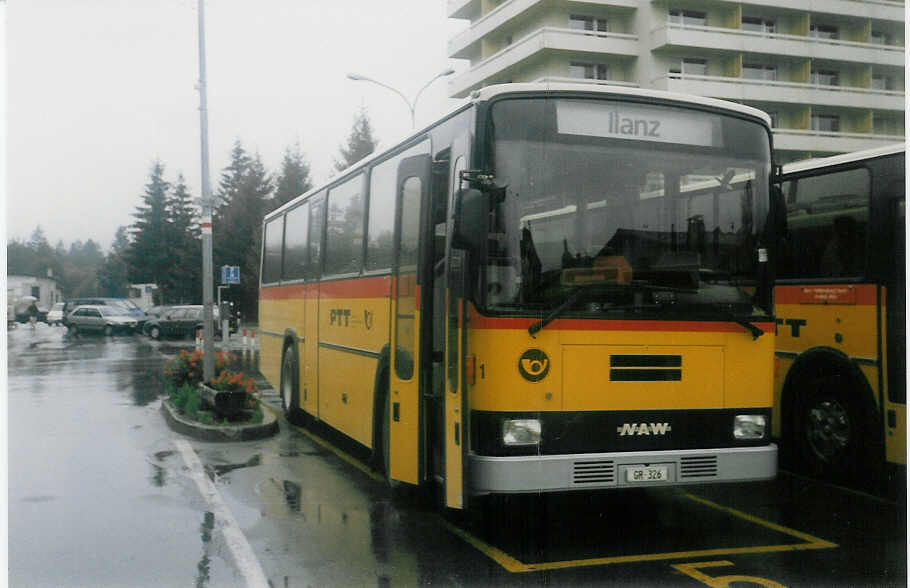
<point x="495" y="90"/>
<point x="489" y="92"/>
<point x="818" y="162"/>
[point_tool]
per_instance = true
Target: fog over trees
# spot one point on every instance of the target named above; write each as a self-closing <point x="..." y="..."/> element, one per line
<point x="163" y="244"/>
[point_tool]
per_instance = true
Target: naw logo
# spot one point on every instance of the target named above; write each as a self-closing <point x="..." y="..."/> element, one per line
<point x="643" y="429"/>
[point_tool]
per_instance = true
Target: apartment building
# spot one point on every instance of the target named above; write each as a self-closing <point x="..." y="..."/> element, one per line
<point x="829" y="72"/>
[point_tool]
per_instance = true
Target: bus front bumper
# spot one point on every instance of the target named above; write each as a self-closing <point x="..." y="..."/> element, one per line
<point x="559" y="473"/>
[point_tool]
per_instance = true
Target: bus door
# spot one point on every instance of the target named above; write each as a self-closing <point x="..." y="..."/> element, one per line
<point x="406" y="411"/>
<point x="452" y="312"/>
<point x="896" y="343"/>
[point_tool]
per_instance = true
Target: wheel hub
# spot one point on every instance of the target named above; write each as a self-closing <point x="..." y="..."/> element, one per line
<point x="828" y="429"/>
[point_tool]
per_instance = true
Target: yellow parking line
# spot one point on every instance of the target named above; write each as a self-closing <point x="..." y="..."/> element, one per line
<point x="513" y="565"/>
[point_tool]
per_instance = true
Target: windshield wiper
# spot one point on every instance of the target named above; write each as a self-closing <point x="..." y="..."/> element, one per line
<point x="575" y="295"/>
<point x="752" y="327"/>
<point x="569" y="301"/>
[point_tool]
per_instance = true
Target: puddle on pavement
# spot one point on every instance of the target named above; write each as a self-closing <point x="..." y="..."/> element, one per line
<point x="220" y="470"/>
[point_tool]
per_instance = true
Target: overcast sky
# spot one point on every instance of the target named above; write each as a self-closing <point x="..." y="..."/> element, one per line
<point x="99" y="89"/>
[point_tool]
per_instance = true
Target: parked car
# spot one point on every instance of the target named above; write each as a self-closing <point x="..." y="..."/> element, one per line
<point x="182" y="321"/>
<point x="128" y="305"/>
<point x="100" y="318"/>
<point x="55" y="314"/>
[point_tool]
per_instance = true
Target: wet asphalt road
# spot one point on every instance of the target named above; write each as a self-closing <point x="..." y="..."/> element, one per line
<point x="102" y="493"/>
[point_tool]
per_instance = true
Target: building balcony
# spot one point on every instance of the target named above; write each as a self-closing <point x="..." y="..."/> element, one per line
<point x="805" y="140"/>
<point x="890" y="10"/>
<point x="568" y="80"/>
<point x="749" y="90"/>
<point x="541" y="40"/>
<point x="462" y="8"/>
<point x="717" y="38"/>
<point x="466" y="44"/>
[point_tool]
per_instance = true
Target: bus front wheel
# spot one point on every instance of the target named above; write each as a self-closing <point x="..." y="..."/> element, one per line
<point x="832" y="430"/>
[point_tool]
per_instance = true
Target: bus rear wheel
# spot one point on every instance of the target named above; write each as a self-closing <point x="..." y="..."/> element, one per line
<point x="289" y="383"/>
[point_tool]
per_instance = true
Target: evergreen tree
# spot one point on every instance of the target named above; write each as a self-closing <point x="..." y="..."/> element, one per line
<point x="148" y="257"/>
<point x="360" y="142"/>
<point x="184" y="276"/>
<point x="113" y="277"/>
<point x="294" y="178"/>
<point x="244" y="190"/>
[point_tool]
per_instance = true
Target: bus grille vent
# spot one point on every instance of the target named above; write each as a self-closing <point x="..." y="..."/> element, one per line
<point x="601" y="472"/>
<point x="702" y="466"/>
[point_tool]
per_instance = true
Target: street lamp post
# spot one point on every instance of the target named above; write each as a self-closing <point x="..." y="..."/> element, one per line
<point x="412" y="104"/>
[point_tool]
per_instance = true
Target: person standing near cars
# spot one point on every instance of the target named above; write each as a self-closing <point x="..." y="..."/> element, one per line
<point x="32" y="314"/>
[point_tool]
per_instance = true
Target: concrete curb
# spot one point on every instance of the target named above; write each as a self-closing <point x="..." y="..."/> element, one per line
<point x="267" y="428"/>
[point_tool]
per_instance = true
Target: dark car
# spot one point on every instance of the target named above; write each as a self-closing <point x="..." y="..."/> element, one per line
<point x="181" y="321"/>
<point x="101" y="319"/>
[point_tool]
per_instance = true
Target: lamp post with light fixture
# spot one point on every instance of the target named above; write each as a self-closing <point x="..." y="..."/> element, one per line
<point x="412" y="104"/>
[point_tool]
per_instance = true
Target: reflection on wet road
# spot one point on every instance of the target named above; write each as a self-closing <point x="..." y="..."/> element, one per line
<point x="100" y="494"/>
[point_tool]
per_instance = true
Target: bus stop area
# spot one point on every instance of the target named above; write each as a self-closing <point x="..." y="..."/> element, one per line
<point x="312" y="513"/>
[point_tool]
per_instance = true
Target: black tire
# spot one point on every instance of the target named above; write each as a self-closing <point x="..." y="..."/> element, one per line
<point x="290" y="383"/>
<point x="834" y="430"/>
<point x="73" y="330"/>
<point x="108" y="330"/>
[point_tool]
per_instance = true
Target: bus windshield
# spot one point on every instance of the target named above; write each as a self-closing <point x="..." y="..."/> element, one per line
<point x="620" y="208"/>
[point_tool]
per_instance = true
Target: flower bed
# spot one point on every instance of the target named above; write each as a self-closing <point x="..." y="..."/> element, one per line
<point x="233" y="398"/>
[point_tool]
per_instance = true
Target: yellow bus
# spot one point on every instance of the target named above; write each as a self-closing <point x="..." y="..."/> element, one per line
<point x="841" y="380"/>
<point x="556" y="287"/>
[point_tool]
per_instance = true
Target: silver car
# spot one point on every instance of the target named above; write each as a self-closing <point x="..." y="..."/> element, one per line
<point x="101" y="319"/>
<point x="55" y="314"/>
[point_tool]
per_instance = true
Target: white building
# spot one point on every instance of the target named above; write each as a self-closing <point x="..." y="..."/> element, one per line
<point x="44" y="289"/>
<point x="829" y="72"/>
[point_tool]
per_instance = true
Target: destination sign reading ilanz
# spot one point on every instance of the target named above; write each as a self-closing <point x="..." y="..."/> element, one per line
<point x="638" y="122"/>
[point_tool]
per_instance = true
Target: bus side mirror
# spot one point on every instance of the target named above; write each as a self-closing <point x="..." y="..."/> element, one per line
<point x="472" y="208"/>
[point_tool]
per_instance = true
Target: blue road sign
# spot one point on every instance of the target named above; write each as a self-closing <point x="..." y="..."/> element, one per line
<point x="230" y="274"/>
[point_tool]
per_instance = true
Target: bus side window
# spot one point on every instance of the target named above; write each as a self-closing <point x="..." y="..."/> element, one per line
<point x="295" y="242"/>
<point x="344" y="227"/>
<point x="827" y="220"/>
<point x="271" y="259"/>
<point x="314" y="242"/>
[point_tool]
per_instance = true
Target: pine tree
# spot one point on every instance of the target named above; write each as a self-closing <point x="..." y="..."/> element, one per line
<point x="294" y="178"/>
<point x="148" y="255"/>
<point x="360" y="142"/>
<point x="113" y="278"/>
<point x="184" y="274"/>
<point x="244" y="190"/>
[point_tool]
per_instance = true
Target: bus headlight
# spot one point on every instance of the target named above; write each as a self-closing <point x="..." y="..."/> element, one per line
<point x="521" y="432"/>
<point x="749" y="426"/>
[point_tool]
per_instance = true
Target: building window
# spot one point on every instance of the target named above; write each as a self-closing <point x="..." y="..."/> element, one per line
<point x="884" y="125"/>
<point x="589" y="71"/>
<point x="828" y="123"/>
<point x="882" y="82"/>
<point x="688" y="17"/>
<point x="758" y="24"/>
<point x="880" y="38"/>
<point x="692" y="66"/>
<point x="581" y="22"/>
<point x="758" y="71"/>
<point x="824" y="77"/>
<point x="823" y="31"/>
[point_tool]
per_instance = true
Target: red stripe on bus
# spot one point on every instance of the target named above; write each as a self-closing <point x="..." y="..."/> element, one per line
<point x="863" y="294"/>
<point x="485" y="322"/>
